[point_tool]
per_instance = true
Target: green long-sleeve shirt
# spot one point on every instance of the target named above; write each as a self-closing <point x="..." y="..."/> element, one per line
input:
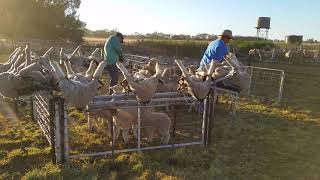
<point x="112" y="50"/>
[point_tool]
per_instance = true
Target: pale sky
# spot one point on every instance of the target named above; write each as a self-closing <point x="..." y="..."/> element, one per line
<point x="203" y="16"/>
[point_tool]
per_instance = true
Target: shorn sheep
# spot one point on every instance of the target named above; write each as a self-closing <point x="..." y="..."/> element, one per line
<point x="25" y="76"/>
<point x="78" y="89"/>
<point x="144" y="88"/>
<point x="198" y="88"/>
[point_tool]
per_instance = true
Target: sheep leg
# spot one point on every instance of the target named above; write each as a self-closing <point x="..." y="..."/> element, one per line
<point x="30" y="68"/>
<point x="135" y="131"/>
<point x="57" y="70"/>
<point x="94" y="52"/>
<point x="165" y="137"/>
<point x="17" y="63"/>
<point x="70" y="72"/>
<point x="28" y="55"/>
<point x="46" y="54"/>
<point x="12" y="54"/>
<point x="90" y="71"/>
<point x="125" y="133"/>
<point x="127" y="76"/>
<point x="97" y="74"/>
<point x="15" y="56"/>
<point x="150" y="133"/>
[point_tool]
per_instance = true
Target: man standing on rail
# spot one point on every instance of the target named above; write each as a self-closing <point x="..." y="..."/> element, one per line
<point x="112" y="54"/>
<point x="216" y="50"/>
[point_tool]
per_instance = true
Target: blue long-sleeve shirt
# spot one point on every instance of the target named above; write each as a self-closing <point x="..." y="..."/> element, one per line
<point x="216" y="50"/>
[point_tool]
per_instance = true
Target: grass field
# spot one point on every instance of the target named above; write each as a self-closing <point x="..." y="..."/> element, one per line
<point x="266" y="141"/>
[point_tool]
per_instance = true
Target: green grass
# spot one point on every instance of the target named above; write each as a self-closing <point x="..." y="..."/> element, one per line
<point x="265" y="141"/>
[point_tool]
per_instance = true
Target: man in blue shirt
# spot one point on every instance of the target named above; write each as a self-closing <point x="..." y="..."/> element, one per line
<point x="216" y="50"/>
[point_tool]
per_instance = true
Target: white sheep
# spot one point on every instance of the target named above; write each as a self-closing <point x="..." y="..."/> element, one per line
<point x="79" y="89"/>
<point x="198" y="88"/>
<point x="13" y="80"/>
<point x="144" y="88"/>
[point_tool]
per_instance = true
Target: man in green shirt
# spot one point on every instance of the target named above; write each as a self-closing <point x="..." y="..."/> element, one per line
<point x="113" y="54"/>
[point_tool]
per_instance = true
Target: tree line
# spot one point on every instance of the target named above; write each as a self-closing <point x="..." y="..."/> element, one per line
<point x="41" y="19"/>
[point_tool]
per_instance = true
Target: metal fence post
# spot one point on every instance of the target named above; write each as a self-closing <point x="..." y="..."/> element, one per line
<point x="139" y="127"/>
<point x="204" y="121"/>
<point x="281" y="87"/>
<point x="173" y="140"/>
<point x="52" y="130"/>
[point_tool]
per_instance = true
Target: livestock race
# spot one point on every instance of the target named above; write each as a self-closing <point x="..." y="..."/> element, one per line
<point x="151" y="90"/>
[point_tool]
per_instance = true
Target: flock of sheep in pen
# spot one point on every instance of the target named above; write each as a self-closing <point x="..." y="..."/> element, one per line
<point x="26" y="72"/>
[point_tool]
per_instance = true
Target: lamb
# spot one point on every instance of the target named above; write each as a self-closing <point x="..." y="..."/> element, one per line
<point x="144" y="88"/>
<point x="78" y="89"/>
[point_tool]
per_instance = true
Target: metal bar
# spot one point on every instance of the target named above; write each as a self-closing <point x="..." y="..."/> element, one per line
<point x="139" y="128"/>
<point x="204" y="117"/>
<point x="250" y="80"/>
<point x="44" y="130"/>
<point x="57" y="133"/>
<point x="156" y="95"/>
<point x="173" y="140"/>
<point x="52" y="132"/>
<point x="42" y="99"/>
<point x="262" y="68"/>
<point x="134" y="150"/>
<point x="208" y="118"/>
<point x="66" y="133"/>
<point x="281" y="87"/>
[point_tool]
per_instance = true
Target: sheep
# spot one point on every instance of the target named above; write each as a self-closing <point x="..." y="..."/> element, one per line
<point x="170" y="81"/>
<point x="239" y="77"/>
<point x="77" y="62"/>
<point x="144" y="88"/>
<point x="156" y="122"/>
<point x="126" y="119"/>
<point x="196" y="87"/>
<point x="14" y="81"/>
<point x="78" y="89"/>
<point x="151" y="66"/>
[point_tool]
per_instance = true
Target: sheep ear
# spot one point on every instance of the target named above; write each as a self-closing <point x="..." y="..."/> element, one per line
<point x="46" y="54"/>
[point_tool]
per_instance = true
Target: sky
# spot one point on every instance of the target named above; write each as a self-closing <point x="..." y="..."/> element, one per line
<point x="288" y="17"/>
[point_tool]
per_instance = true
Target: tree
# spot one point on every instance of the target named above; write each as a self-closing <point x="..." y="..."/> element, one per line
<point x="44" y="19"/>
